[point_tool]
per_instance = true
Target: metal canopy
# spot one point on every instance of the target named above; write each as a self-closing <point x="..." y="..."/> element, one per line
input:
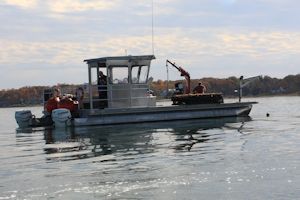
<point x="128" y="58"/>
<point x="122" y="93"/>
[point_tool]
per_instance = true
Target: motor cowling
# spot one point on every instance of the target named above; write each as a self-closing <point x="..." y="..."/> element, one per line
<point x="23" y="118"/>
<point x="62" y="117"/>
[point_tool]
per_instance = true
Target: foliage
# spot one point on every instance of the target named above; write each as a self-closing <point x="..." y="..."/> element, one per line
<point x="265" y="86"/>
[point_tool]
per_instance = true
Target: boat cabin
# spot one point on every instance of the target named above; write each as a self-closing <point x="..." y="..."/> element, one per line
<point x="119" y="82"/>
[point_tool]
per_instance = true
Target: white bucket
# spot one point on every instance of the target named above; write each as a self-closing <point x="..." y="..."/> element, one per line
<point x="23" y="118"/>
<point x="61" y="117"/>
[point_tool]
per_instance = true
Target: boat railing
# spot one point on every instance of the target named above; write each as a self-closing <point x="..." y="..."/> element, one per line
<point x="119" y="96"/>
<point x="110" y="96"/>
<point x="65" y="91"/>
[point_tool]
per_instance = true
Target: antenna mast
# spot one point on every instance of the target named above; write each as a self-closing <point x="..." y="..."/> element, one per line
<point x="152" y="27"/>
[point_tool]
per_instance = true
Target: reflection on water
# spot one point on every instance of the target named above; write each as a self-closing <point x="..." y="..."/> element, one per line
<point x="228" y="158"/>
<point x="114" y="160"/>
<point x="86" y="142"/>
<point x="195" y="132"/>
<point x="92" y="142"/>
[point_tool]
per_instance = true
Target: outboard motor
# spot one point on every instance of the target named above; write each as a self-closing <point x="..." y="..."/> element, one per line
<point x="61" y="117"/>
<point x="23" y="118"/>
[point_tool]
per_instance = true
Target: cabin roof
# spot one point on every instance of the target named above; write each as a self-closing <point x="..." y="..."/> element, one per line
<point x="129" y="58"/>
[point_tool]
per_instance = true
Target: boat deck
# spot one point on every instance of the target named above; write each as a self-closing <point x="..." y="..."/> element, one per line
<point x="172" y="108"/>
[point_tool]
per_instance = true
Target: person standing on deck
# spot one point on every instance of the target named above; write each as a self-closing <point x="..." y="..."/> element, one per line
<point x="102" y="89"/>
<point x="102" y="79"/>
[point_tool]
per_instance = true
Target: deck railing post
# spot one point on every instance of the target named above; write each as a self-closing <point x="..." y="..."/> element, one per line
<point x="90" y="88"/>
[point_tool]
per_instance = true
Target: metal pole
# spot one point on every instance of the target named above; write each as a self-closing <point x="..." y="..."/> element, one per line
<point x="167" y="79"/>
<point x="152" y="27"/>
<point x="240" y="93"/>
<point x="240" y="89"/>
<point x="130" y="85"/>
<point x="90" y="88"/>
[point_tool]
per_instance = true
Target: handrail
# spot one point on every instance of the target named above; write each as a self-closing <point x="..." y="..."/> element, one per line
<point x="117" y="97"/>
<point x="244" y="82"/>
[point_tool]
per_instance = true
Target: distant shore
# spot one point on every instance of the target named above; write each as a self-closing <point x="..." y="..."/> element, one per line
<point x="164" y="99"/>
<point x="264" y="87"/>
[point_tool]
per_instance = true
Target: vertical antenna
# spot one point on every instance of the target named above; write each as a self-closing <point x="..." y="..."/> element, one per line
<point x="152" y="27"/>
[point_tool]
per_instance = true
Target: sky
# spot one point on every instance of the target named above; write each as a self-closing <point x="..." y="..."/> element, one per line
<point x="44" y="42"/>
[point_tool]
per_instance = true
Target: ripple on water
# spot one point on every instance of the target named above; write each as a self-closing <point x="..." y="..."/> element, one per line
<point x="215" y="159"/>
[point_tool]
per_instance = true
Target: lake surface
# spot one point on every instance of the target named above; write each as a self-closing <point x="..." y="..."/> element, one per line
<point x="230" y="158"/>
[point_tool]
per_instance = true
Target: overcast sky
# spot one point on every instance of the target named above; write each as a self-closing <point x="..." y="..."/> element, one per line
<point x="44" y="42"/>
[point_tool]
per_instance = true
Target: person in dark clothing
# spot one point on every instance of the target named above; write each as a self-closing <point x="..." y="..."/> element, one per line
<point x="102" y="89"/>
<point x="102" y="79"/>
<point x="199" y="89"/>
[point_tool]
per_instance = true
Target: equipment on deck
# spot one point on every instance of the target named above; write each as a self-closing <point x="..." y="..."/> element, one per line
<point x="184" y="73"/>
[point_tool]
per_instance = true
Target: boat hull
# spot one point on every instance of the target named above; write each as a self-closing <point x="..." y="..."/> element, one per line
<point x="166" y="113"/>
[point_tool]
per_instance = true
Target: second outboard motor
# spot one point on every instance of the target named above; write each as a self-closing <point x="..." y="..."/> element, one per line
<point x="23" y="118"/>
<point x="61" y="117"/>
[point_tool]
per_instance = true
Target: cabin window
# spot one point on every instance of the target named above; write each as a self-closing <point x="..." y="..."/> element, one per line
<point x="119" y="75"/>
<point x="139" y="74"/>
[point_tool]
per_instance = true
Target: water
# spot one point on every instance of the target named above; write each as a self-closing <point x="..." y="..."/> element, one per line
<point x="231" y="158"/>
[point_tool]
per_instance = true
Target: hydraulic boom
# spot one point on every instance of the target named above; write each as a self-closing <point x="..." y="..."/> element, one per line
<point x="183" y="73"/>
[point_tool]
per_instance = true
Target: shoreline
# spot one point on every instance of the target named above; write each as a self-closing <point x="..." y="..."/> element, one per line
<point x="163" y="99"/>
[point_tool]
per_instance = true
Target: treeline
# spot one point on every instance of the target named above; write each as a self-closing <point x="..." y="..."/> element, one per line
<point x="265" y="86"/>
<point x="25" y="96"/>
<point x="21" y="96"/>
<point x="289" y="85"/>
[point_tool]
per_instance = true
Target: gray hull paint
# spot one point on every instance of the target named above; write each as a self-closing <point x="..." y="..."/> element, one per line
<point x="168" y="113"/>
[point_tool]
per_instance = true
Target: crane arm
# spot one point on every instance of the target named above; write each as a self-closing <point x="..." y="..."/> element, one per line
<point x="180" y="69"/>
<point x="184" y="73"/>
<point x="245" y="82"/>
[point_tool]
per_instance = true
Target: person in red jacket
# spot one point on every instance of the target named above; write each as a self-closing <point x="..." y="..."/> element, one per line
<point x="199" y="89"/>
<point x="52" y="103"/>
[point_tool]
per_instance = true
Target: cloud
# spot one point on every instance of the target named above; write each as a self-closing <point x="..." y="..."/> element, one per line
<point x="189" y="44"/>
<point x="68" y="6"/>
<point x="261" y="43"/>
<point x="210" y="52"/>
<point x="20" y="52"/>
<point x="25" y="4"/>
<point x="48" y="34"/>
